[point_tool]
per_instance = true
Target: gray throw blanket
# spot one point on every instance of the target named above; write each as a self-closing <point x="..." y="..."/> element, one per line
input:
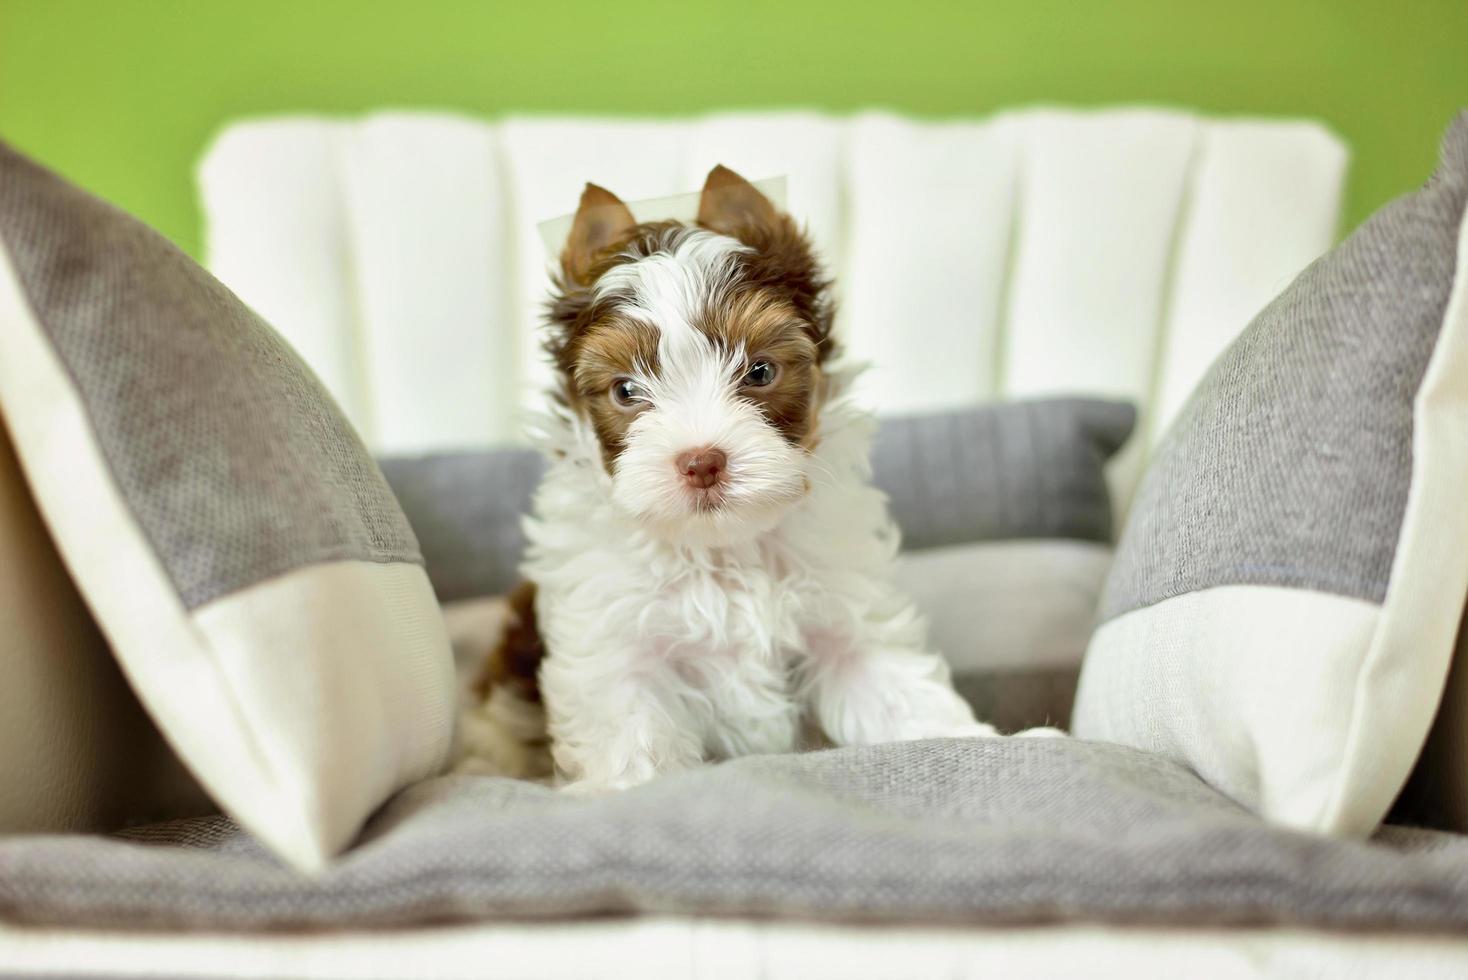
<point x="958" y="831"/>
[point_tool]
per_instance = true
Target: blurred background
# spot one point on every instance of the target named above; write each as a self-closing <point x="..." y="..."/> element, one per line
<point x="123" y="97"/>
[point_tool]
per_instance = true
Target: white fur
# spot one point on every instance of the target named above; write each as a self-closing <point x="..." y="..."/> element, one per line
<point x="678" y="634"/>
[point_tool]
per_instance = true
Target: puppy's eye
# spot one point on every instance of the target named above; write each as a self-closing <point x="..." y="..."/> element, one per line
<point x="629" y="395"/>
<point x="761" y="373"/>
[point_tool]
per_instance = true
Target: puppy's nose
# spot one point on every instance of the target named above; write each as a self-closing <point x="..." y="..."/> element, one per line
<point x="702" y="468"/>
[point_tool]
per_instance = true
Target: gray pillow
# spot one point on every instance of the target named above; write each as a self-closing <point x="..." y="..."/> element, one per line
<point x="1282" y="608"/>
<point x="1031" y="469"/>
<point x="239" y="548"/>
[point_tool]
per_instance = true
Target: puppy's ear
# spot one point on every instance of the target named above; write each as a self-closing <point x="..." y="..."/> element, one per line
<point x="780" y="256"/>
<point x="730" y="205"/>
<point x="601" y="219"/>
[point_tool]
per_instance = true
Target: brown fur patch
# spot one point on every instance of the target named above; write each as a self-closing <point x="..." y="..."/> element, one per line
<point x="611" y="349"/>
<point x="783" y="261"/>
<point x="782" y="258"/>
<point x="767" y="326"/>
<point x="515" y="663"/>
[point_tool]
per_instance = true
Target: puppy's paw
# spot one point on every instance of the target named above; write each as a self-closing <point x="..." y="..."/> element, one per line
<point x="1041" y="733"/>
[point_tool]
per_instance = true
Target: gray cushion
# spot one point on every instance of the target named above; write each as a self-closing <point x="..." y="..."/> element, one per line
<point x="1029" y="469"/>
<point x="1291" y="462"/>
<point x="968" y="831"/>
<point x="228" y="452"/>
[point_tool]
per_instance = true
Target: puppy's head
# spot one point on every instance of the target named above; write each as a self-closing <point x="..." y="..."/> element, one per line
<point x="695" y="353"/>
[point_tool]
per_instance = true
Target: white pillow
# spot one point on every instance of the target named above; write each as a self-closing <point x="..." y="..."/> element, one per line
<point x="240" y="550"/>
<point x="1283" y="606"/>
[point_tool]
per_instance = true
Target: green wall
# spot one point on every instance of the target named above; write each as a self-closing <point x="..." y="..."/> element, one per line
<point x="121" y="95"/>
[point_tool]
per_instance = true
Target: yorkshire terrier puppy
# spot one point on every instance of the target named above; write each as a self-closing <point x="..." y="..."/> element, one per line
<point x="712" y="566"/>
